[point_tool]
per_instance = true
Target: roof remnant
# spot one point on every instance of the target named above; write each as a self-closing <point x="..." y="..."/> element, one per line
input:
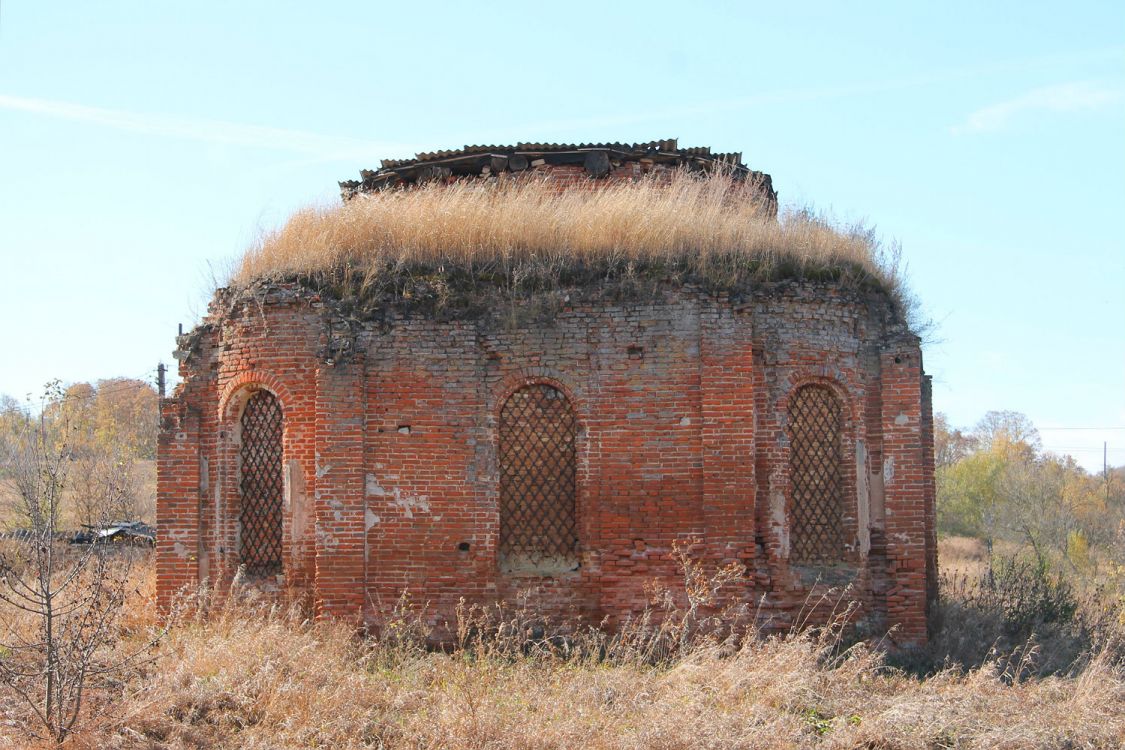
<point x="136" y="533"/>
<point x="597" y="158"/>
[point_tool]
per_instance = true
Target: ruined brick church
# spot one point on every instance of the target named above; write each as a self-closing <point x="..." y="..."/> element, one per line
<point x="553" y="449"/>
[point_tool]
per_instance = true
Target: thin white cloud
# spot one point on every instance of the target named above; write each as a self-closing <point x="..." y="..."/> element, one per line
<point x="207" y="131"/>
<point x="1077" y="96"/>
<point x="810" y="94"/>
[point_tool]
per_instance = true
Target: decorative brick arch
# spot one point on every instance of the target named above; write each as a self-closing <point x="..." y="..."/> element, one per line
<point x="828" y="380"/>
<point x="241" y="387"/>
<point x="532" y="376"/>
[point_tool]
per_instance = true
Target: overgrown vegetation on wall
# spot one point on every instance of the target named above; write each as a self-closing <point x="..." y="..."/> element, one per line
<point x="522" y="235"/>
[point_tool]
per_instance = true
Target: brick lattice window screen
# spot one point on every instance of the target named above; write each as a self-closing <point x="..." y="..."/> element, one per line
<point x="261" y="485"/>
<point x="815" y="476"/>
<point x="538" y="478"/>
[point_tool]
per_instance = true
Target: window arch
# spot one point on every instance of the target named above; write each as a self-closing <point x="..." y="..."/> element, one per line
<point x="538" y="481"/>
<point x="816" y="478"/>
<point x="260" y="485"/>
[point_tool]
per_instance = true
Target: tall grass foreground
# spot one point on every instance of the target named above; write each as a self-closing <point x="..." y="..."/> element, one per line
<point x="251" y="673"/>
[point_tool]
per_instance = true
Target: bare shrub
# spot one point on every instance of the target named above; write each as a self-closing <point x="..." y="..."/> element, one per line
<point x="1017" y="611"/>
<point x="103" y="487"/>
<point x="60" y="606"/>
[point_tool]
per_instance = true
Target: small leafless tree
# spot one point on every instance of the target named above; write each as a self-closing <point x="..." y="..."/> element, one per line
<point x="103" y="486"/>
<point x="59" y="603"/>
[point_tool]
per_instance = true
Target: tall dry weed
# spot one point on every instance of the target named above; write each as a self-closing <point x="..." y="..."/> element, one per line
<point x="247" y="672"/>
<point x="528" y="233"/>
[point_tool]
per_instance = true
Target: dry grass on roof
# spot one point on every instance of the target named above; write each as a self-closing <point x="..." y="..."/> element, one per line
<point x="711" y="229"/>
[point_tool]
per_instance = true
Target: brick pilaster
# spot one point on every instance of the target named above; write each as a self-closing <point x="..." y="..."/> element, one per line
<point x="177" y="501"/>
<point x="727" y="432"/>
<point x="930" y="489"/>
<point x="904" y="477"/>
<point x="339" y="495"/>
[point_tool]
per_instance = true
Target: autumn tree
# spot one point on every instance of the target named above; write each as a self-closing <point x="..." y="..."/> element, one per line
<point x="13" y="418"/>
<point x="125" y="416"/>
<point x="950" y="444"/>
<point x="116" y="415"/>
<point x="1009" y="430"/>
<point x="105" y="429"/>
<point x="997" y="483"/>
<point x="59" y="605"/>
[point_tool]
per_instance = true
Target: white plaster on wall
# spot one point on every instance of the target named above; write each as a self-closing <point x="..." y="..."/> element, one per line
<point x="777" y="518"/>
<point x="411" y="503"/>
<point x="863" y="498"/>
<point x="902" y="419"/>
<point x="888" y="469"/>
<point x="297" y="498"/>
<point x="325" y="540"/>
<point x="373" y="488"/>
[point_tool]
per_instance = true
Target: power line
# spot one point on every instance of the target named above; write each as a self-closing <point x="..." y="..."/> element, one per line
<point x="107" y="390"/>
<point x="1045" y="429"/>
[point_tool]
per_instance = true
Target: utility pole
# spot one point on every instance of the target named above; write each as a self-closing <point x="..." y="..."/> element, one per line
<point x="160" y="379"/>
<point x="1105" y="468"/>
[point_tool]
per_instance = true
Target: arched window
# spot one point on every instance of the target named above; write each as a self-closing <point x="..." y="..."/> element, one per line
<point x="538" y="481"/>
<point x="261" y="486"/>
<point x="816" y="530"/>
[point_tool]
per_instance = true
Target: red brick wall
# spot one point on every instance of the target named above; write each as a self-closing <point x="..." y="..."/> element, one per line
<point x="391" y="449"/>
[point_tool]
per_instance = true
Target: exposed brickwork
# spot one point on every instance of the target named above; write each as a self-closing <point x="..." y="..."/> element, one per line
<point x="391" y="465"/>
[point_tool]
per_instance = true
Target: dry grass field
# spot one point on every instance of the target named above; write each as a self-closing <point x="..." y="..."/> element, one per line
<point x="249" y="674"/>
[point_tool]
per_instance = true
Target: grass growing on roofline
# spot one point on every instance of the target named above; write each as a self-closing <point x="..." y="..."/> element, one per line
<point x="532" y="234"/>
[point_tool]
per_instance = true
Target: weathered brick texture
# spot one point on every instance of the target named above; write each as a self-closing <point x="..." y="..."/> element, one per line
<point x="391" y="466"/>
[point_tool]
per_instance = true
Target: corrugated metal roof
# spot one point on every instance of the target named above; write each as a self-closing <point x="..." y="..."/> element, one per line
<point x="473" y="160"/>
<point x="668" y="146"/>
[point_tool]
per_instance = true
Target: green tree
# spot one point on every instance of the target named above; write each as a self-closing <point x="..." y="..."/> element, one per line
<point x="968" y="495"/>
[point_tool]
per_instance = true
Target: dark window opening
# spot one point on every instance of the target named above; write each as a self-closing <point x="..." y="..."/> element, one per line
<point x="816" y="476"/>
<point x="538" y="482"/>
<point x="261" y="486"/>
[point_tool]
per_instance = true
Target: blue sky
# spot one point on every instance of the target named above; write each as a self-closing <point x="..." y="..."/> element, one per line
<point x="144" y="145"/>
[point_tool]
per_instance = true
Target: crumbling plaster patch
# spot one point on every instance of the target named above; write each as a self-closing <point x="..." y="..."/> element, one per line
<point x="862" y="498"/>
<point x="888" y="470"/>
<point x="406" y="502"/>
